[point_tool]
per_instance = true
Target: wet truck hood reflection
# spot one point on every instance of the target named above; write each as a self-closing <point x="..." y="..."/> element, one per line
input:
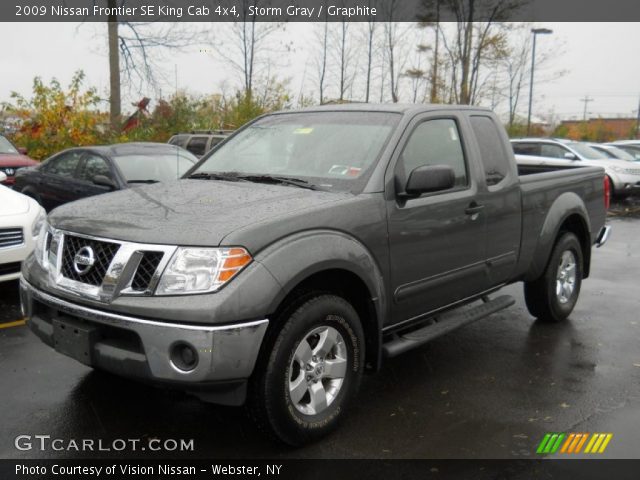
<point x="186" y="212"/>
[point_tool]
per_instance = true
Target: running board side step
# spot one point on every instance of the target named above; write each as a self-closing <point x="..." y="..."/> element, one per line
<point x="445" y="323"/>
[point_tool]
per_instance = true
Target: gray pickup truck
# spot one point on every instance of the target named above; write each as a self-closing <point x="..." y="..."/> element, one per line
<point x="304" y="249"/>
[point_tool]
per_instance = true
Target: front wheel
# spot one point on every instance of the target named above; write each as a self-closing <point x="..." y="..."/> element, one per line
<point x="552" y="297"/>
<point x="312" y="372"/>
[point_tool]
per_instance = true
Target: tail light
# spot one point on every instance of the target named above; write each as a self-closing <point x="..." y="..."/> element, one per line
<point x="607" y="192"/>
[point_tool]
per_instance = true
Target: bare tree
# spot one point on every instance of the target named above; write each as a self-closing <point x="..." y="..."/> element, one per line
<point x="515" y="68"/>
<point x="477" y="40"/>
<point x="135" y="54"/>
<point x="344" y="56"/>
<point x="245" y="46"/>
<point x="370" y="41"/>
<point x="114" y="70"/>
<point x="323" y="37"/>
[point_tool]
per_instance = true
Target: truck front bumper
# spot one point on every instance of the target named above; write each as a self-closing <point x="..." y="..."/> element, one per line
<point x="193" y="357"/>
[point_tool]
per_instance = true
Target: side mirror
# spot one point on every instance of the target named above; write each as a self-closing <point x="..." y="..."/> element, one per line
<point x="430" y="178"/>
<point x="3" y="177"/>
<point x="570" y="156"/>
<point x="22" y="150"/>
<point x="104" y="182"/>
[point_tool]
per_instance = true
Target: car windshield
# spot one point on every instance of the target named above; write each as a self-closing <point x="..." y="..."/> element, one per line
<point x="632" y="150"/>
<point x="6" y="146"/>
<point x="154" y="167"/>
<point x="328" y="150"/>
<point x="620" y="154"/>
<point x="587" y="152"/>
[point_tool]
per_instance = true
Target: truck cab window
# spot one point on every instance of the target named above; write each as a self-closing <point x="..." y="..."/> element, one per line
<point x="494" y="158"/>
<point x="435" y="142"/>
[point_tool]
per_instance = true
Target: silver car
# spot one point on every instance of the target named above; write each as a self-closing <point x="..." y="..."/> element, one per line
<point x="623" y="175"/>
<point x="632" y="147"/>
<point x="613" y="151"/>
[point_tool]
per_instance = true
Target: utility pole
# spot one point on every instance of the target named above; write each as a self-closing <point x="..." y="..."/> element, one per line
<point x="585" y="100"/>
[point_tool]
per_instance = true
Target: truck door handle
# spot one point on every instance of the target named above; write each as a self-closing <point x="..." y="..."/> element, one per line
<point x="473" y="209"/>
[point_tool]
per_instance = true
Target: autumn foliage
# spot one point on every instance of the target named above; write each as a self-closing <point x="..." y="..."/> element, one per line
<point x="55" y="118"/>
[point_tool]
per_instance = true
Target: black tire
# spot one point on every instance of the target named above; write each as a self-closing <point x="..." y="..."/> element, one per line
<point x="270" y="403"/>
<point x="541" y="296"/>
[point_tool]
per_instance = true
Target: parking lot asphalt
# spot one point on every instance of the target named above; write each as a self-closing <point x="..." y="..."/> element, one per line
<point x="490" y="390"/>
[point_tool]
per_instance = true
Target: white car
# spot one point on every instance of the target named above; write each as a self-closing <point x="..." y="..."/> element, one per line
<point x="20" y="221"/>
<point x="632" y="147"/>
<point x="624" y="176"/>
<point x="613" y="151"/>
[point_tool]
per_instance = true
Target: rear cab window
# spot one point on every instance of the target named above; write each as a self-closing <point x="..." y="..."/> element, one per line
<point x="495" y="160"/>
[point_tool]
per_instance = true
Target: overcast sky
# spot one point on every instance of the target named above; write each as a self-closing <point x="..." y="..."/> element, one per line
<point x="601" y="60"/>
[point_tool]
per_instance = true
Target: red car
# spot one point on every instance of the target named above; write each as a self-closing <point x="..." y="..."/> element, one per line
<point x="12" y="159"/>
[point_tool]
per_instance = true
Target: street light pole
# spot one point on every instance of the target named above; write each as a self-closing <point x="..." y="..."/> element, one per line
<point x="535" y="31"/>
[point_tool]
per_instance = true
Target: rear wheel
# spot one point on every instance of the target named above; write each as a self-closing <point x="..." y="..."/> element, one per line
<point x="311" y="372"/>
<point x="553" y="296"/>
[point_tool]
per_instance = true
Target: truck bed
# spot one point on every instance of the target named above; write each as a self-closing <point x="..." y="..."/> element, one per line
<point x="545" y="190"/>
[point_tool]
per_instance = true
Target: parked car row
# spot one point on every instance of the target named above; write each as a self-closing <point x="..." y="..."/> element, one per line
<point x="12" y="159"/>
<point x="86" y="171"/>
<point x="199" y="142"/>
<point x="67" y="176"/>
<point x="21" y="219"/>
<point x="621" y="168"/>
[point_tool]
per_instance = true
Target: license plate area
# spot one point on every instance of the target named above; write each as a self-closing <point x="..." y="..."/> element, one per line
<point x="74" y="338"/>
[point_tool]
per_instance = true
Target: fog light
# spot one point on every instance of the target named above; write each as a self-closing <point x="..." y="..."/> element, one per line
<point x="184" y="357"/>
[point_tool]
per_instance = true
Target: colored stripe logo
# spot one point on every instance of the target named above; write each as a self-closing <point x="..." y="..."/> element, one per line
<point x="574" y="443"/>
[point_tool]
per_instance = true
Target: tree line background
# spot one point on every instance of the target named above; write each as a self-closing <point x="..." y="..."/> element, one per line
<point x="472" y="61"/>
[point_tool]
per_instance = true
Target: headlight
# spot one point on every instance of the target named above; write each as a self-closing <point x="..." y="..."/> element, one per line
<point x="38" y="222"/>
<point x="200" y="270"/>
<point x="39" y="250"/>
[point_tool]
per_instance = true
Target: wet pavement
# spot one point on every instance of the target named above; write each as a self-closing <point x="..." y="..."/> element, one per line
<point x="490" y="390"/>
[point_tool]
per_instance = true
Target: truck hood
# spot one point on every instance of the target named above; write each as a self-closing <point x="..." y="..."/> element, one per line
<point x="185" y="212"/>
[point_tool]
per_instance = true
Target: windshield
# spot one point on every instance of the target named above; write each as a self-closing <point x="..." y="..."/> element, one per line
<point x="331" y="150"/>
<point x="632" y="150"/>
<point x="6" y="147"/>
<point x="159" y="167"/>
<point x="621" y="154"/>
<point x="588" y="153"/>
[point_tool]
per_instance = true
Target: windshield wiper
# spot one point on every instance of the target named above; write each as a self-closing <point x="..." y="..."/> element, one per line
<point x="296" y="182"/>
<point x="143" y="181"/>
<point x="230" y="176"/>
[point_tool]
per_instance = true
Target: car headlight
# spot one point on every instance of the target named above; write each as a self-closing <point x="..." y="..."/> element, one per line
<point x="200" y="270"/>
<point x="39" y="250"/>
<point x="39" y="221"/>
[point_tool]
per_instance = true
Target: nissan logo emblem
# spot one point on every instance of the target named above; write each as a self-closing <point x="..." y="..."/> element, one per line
<point x="84" y="260"/>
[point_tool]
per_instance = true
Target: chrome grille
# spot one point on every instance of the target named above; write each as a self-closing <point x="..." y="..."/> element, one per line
<point x="103" y="251"/>
<point x="145" y="271"/>
<point x="11" y="237"/>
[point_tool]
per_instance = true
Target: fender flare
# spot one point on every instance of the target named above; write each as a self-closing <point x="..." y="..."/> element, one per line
<point x="293" y="259"/>
<point x="563" y="207"/>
